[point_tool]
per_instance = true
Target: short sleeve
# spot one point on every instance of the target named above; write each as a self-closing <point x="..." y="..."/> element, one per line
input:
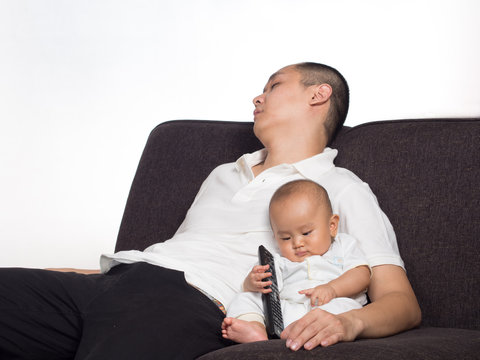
<point x="362" y="218"/>
<point x="353" y="255"/>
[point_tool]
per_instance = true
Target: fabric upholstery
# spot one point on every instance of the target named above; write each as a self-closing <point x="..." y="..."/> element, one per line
<point x="425" y="343"/>
<point x="178" y="156"/>
<point x="425" y="175"/>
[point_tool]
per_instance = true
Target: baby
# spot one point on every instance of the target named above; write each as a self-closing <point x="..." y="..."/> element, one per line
<point x="318" y="267"/>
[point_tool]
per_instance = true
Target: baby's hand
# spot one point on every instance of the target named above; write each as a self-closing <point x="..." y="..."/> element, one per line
<point x="253" y="281"/>
<point x="320" y="295"/>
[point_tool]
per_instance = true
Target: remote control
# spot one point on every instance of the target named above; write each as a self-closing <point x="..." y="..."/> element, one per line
<point x="271" y="301"/>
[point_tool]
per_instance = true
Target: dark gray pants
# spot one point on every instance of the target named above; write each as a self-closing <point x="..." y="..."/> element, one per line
<point x="137" y="311"/>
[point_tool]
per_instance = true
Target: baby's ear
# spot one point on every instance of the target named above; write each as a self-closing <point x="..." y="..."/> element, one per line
<point x="333" y="225"/>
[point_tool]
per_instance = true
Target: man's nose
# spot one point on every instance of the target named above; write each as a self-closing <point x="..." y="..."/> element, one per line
<point x="258" y="100"/>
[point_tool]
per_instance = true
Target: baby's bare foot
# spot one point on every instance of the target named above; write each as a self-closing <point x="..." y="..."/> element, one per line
<point x="242" y="331"/>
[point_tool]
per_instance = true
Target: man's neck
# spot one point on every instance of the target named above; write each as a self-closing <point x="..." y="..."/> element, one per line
<point x="289" y="153"/>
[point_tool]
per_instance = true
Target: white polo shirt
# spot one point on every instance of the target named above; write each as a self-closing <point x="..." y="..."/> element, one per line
<point x="217" y="243"/>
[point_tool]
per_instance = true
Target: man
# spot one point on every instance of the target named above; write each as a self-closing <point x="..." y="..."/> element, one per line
<point x="302" y="131"/>
<point x="160" y="303"/>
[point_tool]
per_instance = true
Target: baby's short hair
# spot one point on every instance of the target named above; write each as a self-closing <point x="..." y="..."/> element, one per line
<point x="309" y="187"/>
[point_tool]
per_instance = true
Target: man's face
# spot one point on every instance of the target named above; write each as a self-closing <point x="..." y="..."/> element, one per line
<point x="282" y="104"/>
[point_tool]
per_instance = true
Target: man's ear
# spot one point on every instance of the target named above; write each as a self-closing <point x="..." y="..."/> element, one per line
<point x="321" y="94"/>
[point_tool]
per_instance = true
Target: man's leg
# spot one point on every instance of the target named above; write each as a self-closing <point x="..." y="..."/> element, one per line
<point x="150" y="313"/>
<point x="39" y="313"/>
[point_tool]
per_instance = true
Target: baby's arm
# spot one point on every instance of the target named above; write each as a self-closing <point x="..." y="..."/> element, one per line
<point x="254" y="280"/>
<point x="350" y="283"/>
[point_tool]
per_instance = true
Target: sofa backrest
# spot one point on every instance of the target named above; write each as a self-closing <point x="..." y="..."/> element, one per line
<point x="425" y="174"/>
<point x="178" y="156"/>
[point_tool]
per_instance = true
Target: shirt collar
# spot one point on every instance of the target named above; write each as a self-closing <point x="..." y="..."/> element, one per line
<point x="310" y="168"/>
<point x="245" y="163"/>
<point x="317" y="165"/>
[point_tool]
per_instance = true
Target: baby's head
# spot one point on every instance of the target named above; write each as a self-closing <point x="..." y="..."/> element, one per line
<point x="302" y="220"/>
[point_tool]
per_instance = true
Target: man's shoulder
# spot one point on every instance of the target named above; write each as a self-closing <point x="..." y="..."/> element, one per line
<point x="345" y="175"/>
<point x="322" y="166"/>
<point x="338" y="179"/>
<point x="223" y="169"/>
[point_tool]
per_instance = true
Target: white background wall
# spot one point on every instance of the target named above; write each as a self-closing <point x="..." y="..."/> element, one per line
<point x="83" y="82"/>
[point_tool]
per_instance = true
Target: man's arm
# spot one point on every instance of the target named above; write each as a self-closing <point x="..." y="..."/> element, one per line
<point x="80" y="271"/>
<point x="394" y="308"/>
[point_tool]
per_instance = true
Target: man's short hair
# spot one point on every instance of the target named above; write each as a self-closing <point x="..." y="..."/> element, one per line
<point x="314" y="190"/>
<point x="317" y="74"/>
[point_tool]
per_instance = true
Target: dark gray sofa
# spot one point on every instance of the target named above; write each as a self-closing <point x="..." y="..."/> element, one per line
<point x="426" y="175"/>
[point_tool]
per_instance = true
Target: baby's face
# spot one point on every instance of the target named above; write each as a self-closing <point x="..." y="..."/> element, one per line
<point x="302" y="227"/>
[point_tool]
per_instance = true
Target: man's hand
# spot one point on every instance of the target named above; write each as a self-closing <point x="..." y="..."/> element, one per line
<point x="320" y="295"/>
<point x="254" y="280"/>
<point x="319" y="327"/>
<point x="394" y="308"/>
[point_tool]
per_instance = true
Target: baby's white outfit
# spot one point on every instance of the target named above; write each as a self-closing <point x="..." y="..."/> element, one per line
<point x="343" y="255"/>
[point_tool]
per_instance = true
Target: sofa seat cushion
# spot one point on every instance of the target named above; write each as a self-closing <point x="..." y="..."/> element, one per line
<point x="422" y="343"/>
